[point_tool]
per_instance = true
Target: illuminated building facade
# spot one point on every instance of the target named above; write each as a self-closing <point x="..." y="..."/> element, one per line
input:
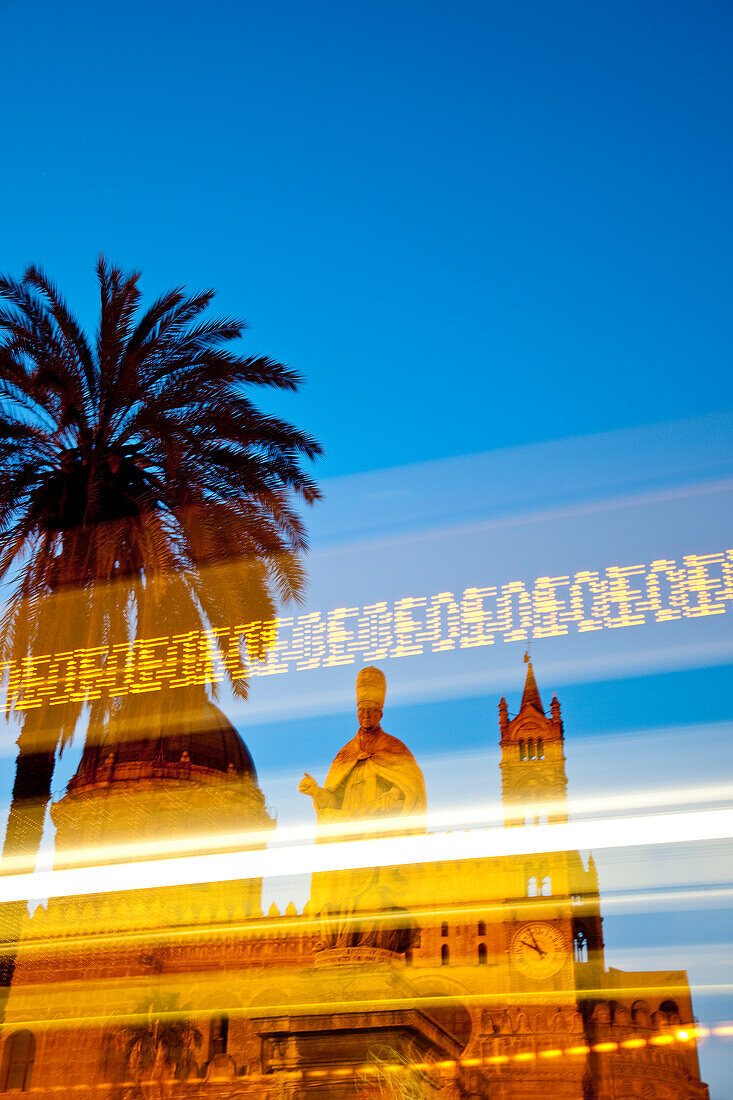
<point x="193" y="992"/>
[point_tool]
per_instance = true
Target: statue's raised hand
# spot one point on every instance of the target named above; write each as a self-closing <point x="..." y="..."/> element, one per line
<point x="308" y="786"/>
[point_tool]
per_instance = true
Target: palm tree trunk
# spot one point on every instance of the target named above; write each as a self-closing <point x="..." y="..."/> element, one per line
<point x="31" y="794"/>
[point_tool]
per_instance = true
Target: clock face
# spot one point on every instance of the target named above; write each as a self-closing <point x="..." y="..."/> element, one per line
<point x="538" y="949"/>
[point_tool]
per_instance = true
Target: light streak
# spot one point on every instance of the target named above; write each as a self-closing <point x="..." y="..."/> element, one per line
<point x="447" y="819"/>
<point x="250" y="928"/>
<point x="98" y="992"/>
<point x="413" y="625"/>
<point x="446" y="1066"/>
<point x="439" y="847"/>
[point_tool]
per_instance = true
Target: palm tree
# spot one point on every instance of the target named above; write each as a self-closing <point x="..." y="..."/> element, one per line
<point x="389" y="1073"/>
<point x="132" y="468"/>
<point x="160" y="1048"/>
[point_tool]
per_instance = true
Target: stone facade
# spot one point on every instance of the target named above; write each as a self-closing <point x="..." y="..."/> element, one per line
<point x="193" y="992"/>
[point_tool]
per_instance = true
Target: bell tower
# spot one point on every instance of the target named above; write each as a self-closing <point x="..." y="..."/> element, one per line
<point x="557" y="884"/>
<point x="533" y="781"/>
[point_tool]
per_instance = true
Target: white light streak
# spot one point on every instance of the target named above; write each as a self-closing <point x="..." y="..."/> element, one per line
<point x="455" y="817"/>
<point x="437" y="847"/>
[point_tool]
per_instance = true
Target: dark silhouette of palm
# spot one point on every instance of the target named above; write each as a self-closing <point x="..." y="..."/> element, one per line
<point x="157" y="1049"/>
<point x="142" y="493"/>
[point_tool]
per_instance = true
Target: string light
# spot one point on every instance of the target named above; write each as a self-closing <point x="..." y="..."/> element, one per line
<point x="450" y="1065"/>
<point x="622" y="596"/>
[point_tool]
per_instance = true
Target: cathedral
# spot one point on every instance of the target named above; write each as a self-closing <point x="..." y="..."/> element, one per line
<point x="476" y="978"/>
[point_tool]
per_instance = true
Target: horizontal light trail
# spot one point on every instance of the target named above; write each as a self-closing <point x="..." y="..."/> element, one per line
<point x="623" y="595"/>
<point x="439" y="847"/>
<point x="164" y="983"/>
<point x="486" y="814"/>
<point x="250" y="928"/>
<point x="447" y="1066"/>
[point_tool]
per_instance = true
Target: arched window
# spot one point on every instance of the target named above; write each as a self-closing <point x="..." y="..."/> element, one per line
<point x="671" y="1011"/>
<point x="522" y="750"/>
<point x="580" y="942"/>
<point x="444" y="955"/>
<point x="218" y="1035"/>
<point x="482" y="928"/>
<point x="444" y="929"/>
<point x="531" y="750"/>
<point x="540" y="749"/>
<point x="545" y="887"/>
<point x="640" y="1013"/>
<point x="482" y="954"/>
<point x="18" y="1058"/>
<point x="532" y="886"/>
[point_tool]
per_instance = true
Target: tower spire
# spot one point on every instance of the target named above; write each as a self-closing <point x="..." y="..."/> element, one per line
<point x="531" y="692"/>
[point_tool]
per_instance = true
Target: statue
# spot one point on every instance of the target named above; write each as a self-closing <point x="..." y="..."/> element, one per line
<point x="374" y="776"/>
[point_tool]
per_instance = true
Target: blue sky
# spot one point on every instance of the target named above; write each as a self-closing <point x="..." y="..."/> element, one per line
<point x="474" y="228"/>
<point x="469" y="225"/>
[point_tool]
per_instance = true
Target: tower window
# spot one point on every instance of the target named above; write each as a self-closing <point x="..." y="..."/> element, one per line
<point x="540" y="750"/>
<point x="444" y="929"/>
<point x="18" y="1058"/>
<point x="482" y="928"/>
<point x="482" y="954"/>
<point x="532" y="886"/>
<point x="444" y="955"/>
<point x="531" y="750"/>
<point x="580" y="944"/>
<point x="522" y="750"/>
<point x="545" y="887"/>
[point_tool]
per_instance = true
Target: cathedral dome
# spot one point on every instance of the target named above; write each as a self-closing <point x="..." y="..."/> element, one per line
<point x="163" y="771"/>
<point x="181" y="746"/>
<point x="156" y="772"/>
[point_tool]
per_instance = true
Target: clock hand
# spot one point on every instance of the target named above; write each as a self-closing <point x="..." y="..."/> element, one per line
<point x="534" y="947"/>
<point x="537" y="946"/>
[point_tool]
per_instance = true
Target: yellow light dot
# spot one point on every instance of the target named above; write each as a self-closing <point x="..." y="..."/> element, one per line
<point x="601" y="1048"/>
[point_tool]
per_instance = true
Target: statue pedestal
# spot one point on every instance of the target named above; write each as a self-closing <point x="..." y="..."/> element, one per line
<point x="349" y="1021"/>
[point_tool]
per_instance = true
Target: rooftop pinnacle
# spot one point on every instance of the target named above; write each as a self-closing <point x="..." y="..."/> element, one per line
<point x="531" y="692"/>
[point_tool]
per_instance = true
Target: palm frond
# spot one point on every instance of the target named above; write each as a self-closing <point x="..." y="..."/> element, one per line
<point x="142" y="491"/>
